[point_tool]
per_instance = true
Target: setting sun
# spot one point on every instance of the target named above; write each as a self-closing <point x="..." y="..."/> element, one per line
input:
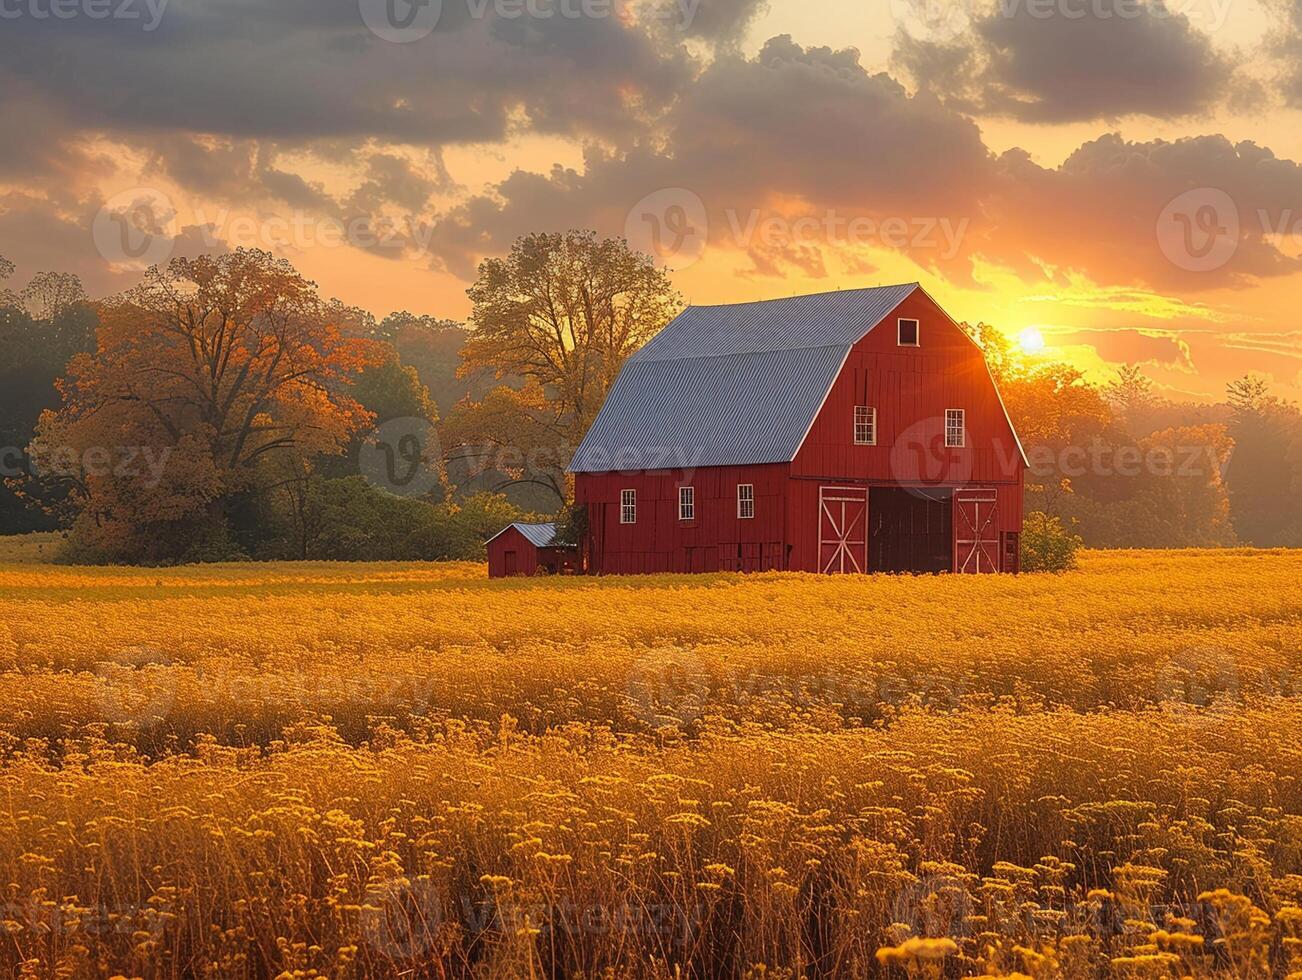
<point x="1031" y="341"/>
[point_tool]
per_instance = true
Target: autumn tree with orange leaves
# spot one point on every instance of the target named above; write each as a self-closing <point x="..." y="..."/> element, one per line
<point x="216" y="380"/>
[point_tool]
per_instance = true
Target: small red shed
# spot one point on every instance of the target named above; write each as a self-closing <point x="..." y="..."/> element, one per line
<point x="856" y="431"/>
<point x="529" y="549"/>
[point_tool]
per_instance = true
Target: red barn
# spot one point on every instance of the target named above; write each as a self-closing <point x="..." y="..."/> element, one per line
<point x="529" y="549"/>
<point x="857" y="431"/>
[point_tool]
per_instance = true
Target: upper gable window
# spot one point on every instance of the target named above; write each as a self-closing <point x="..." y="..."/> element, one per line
<point x="909" y="333"/>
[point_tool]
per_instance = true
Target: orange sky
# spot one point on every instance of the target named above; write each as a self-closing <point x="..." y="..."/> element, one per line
<point x="1071" y="175"/>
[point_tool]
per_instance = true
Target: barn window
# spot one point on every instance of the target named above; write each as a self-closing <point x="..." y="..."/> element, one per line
<point x="909" y="333"/>
<point x="745" y="501"/>
<point x="687" y="503"/>
<point x="628" y="507"/>
<point x="865" y="426"/>
<point x="955" y="428"/>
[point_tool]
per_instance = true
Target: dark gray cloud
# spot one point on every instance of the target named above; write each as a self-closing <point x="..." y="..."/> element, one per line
<point x="722" y="21"/>
<point x="753" y="138"/>
<point x="310" y="69"/>
<point x="1074" y="61"/>
<point x="1286" y="44"/>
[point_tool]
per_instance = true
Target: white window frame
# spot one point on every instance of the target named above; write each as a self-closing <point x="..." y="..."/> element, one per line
<point x="899" y="331"/>
<point x="628" y="507"/>
<point x="865" y="425"/>
<point x="961" y="414"/>
<point x="745" y="501"/>
<point x="687" y="503"/>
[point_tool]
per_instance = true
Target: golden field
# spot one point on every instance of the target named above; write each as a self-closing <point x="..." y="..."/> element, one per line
<point x="376" y="770"/>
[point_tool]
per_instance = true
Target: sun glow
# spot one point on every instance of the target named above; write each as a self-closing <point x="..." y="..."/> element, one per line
<point x="1031" y="341"/>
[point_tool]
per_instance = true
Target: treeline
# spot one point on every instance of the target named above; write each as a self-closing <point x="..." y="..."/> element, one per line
<point x="222" y="409"/>
<point x="1123" y="467"/>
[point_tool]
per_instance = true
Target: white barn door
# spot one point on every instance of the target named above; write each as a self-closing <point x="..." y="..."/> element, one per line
<point x="842" y="530"/>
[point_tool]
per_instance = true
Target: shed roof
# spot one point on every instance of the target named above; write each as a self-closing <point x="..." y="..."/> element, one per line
<point x="731" y="385"/>
<point x="538" y="535"/>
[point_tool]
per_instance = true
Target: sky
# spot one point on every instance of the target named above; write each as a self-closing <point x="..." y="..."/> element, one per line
<point x="1113" y="181"/>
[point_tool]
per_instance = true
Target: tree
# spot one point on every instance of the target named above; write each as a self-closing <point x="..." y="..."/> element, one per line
<point x="433" y="347"/>
<point x="509" y="439"/>
<point x="210" y="378"/>
<point x="40" y="331"/>
<point x="1130" y="396"/>
<point x="1264" y="474"/>
<point x="556" y="319"/>
<point x="566" y="311"/>
<point x="50" y="295"/>
<point x="8" y="300"/>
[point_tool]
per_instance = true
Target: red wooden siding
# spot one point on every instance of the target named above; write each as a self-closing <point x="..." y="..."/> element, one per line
<point x="911" y="387"/>
<point x="511" y="542"/>
<point x="659" y="542"/>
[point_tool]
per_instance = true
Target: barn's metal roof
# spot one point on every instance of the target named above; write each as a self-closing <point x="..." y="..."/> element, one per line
<point x="538" y="535"/>
<point x="825" y="320"/>
<point x="731" y="385"/>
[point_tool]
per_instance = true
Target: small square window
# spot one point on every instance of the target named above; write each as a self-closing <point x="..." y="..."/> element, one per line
<point x="628" y="507"/>
<point x="865" y="426"/>
<point x="909" y="333"/>
<point x="687" y="503"/>
<point x="955" y="428"/>
<point x="745" y="501"/>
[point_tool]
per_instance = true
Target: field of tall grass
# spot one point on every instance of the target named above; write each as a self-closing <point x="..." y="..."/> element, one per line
<point x="376" y="770"/>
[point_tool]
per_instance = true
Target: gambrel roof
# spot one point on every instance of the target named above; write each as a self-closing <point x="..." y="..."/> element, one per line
<point x="732" y="385"/>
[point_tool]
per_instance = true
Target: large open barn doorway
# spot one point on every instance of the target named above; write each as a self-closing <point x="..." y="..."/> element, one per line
<point x="910" y="530"/>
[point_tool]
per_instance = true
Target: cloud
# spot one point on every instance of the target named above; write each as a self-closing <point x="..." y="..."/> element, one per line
<point x="1115" y="210"/>
<point x="791" y="132"/>
<point x="57" y="236"/>
<point x="300" y="70"/>
<point x="1285" y="43"/>
<point x="1127" y="346"/>
<point x="1072" y="62"/>
<point x="804" y="134"/>
<point x="722" y="21"/>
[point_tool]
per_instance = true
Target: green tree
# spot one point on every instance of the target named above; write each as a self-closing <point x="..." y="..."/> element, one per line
<point x="566" y="311"/>
<point x="1047" y="546"/>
